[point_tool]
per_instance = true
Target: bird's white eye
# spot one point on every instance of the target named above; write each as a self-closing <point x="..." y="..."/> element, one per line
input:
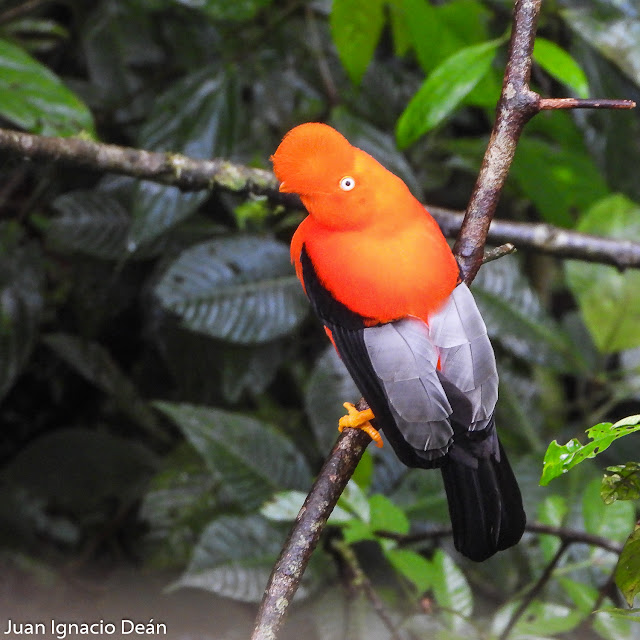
<point x="347" y="183"/>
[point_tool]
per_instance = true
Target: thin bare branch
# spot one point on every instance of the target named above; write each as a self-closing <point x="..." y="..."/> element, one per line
<point x="516" y="106"/>
<point x="584" y="103"/>
<point x="546" y="238"/>
<point x="569" y="536"/>
<point x="498" y="252"/>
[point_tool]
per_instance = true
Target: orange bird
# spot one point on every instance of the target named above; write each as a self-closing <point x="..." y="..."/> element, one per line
<point x="383" y="280"/>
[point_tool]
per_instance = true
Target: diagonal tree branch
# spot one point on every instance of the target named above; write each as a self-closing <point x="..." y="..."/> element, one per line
<point x="517" y="105"/>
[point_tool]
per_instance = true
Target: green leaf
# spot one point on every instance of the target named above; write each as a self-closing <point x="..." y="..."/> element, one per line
<point x="94" y="363"/>
<point x="197" y="116"/>
<point x="35" y="99"/>
<point x="386" y="516"/>
<point x="607" y="521"/>
<point x="451" y="589"/>
<point x="572" y="182"/>
<point x="357" y="531"/>
<point x="233" y="558"/>
<point x="621" y="482"/>
<point x="414" y="567"/>
<point x="627" y="575"/>
<point x="615" y="626"/>
<point x="552" y="511"/>
<point x="330" y="385"/>
<point x="241" y="289"/>
<point x="254" y="458"/>
<point x="356" y="26"/>
<point x="283" y="506"/>
<point x="91" y="223"/>
<point x="549" y="618"/>
<point x="443" y="90"/>
<point x="559" y="64"/>
<point x="609" y="299"/>
<point x="431" y="39"/>
<point x="560" y="458"/>
<point x="178" y="503"/>
<point x="583" y="595"/>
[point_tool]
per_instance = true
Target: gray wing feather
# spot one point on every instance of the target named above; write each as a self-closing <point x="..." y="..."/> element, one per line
<point x="405" y="354"/>
<point x="405" y="359"/>
<point x="467" y="361"/>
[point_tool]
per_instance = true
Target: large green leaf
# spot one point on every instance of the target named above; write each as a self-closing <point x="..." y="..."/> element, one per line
<point x="560" y="458"/>
<point x="178" y="504"/>
<point x="241" y="289"/>
<point x="443" y="90"/>
<point x="35" y="99"/>
<point x="559" y="189"/>
<point x="197" y="116"/>
<point x="414" y="567"/>
<point x="93" y="362"/>
<point x="253" y="458"/>
<point x="613" y="521"/>
<point x="558" y="63"/>
<point x="356" y="26"/>
<point x="609" y="299"/>
<point x="21" y="305"/>
<point x="233" y="558"/>
<point x="93" y="223"/>
<point x="514" y="316"/>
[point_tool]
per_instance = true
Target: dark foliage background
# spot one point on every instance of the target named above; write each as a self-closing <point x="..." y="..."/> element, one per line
<point x="166" y="398"/>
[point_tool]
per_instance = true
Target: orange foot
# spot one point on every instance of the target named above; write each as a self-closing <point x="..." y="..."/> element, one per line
<point x="360" y="420"/>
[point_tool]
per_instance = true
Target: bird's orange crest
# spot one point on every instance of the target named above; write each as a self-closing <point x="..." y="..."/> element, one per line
<point x="312" y="159"/>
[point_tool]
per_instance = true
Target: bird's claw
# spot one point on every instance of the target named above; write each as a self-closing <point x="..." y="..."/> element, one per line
<point x="360" y="420"/>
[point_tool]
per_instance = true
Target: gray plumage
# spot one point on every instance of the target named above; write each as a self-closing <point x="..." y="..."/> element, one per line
<point x="425" y="401"/>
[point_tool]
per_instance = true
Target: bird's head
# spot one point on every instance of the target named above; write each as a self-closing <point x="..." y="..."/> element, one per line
<point x="337" y="182"/>
<point x="312" y="159"/>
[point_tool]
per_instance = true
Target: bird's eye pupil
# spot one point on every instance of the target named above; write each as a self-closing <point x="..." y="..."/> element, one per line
<point x="347" y="183"/>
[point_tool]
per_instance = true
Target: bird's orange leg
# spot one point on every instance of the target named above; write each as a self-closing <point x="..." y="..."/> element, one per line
<point x="360" y="420"/>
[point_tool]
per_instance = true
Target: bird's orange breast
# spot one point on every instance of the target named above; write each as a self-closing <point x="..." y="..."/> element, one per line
<point x="383" y="276"/>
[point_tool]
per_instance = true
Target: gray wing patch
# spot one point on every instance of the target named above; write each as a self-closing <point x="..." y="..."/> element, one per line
<point x="467" y="361"/>
<point x="405" y="359"/>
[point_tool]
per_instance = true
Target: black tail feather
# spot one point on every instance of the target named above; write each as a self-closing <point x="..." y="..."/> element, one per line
<point x="484" y="500"/>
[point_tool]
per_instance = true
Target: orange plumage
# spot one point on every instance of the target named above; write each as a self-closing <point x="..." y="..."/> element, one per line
<point x="374" y="246"/>
<point x="381" y="277"/>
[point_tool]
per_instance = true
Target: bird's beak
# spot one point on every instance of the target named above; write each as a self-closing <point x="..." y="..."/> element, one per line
<point x="283" y="188"/>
